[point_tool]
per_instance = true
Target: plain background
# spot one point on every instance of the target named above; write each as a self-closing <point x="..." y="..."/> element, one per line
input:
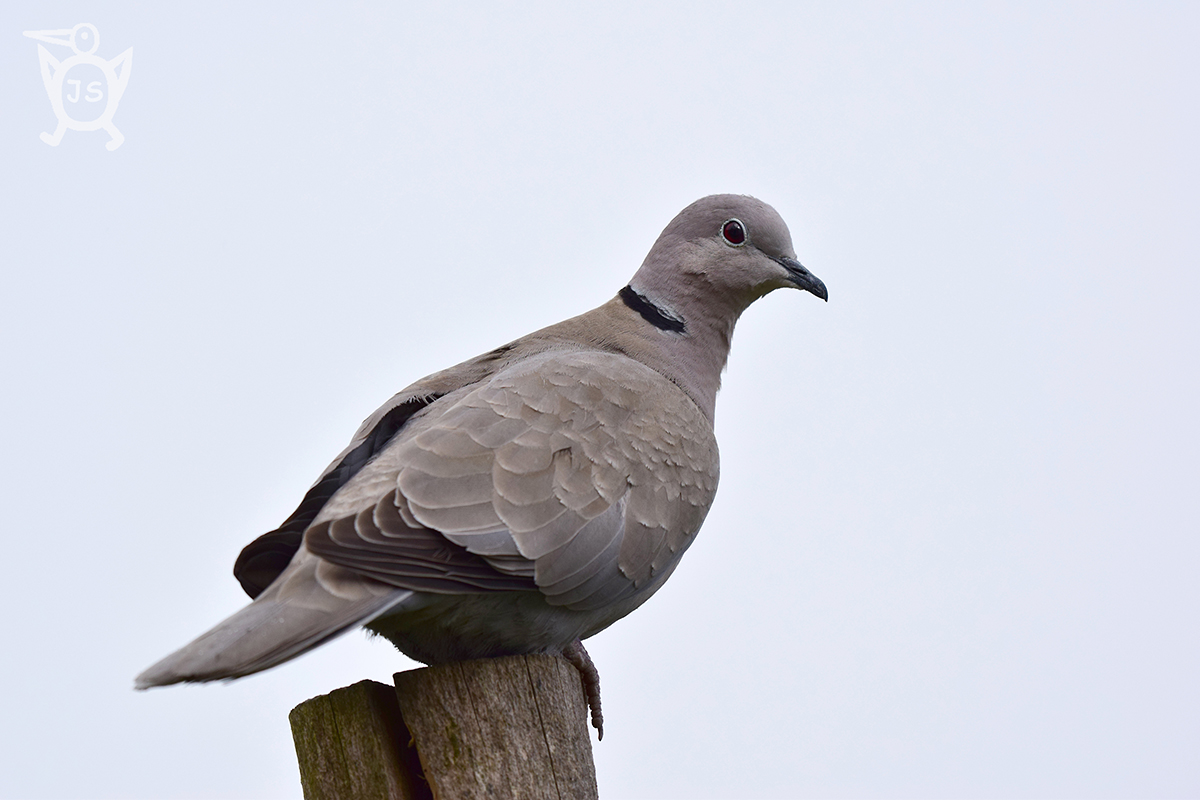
<point x="955" y="548"/>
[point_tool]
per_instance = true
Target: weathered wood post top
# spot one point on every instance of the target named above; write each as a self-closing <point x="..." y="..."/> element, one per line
<point x="513" y="727"/>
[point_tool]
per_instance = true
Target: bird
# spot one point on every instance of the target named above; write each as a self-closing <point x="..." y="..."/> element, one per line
<point x="526" y="499"/>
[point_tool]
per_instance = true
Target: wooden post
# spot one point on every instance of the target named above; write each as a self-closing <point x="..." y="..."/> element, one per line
<point x="352" y="742"/>
<point x="511" y="727"/>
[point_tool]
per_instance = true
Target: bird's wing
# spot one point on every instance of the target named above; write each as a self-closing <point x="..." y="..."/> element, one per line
<point x="265" y="558"/>
<point x="583" y="474"/>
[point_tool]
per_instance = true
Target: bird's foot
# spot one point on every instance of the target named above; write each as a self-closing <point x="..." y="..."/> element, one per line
<point x="590" y="676"/>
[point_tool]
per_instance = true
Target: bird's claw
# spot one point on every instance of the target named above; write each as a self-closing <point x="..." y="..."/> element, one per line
<point x="590" y="676"/>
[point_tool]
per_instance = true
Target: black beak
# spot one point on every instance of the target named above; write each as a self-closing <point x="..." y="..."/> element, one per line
<point x="803" y="279"/>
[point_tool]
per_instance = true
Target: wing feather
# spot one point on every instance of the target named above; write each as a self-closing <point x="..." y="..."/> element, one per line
<point x="581" y="474"/>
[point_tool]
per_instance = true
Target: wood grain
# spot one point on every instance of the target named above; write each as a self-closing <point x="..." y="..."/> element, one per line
<point x="512" y="727"/>
<point x="352" y="743"/>
<point x="495" y="728"/>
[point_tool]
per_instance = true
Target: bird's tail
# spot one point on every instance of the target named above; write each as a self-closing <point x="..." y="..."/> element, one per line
<point x="297" y="613"/>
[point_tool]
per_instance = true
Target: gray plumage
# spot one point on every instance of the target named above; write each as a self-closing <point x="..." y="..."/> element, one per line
<point x="528" y="498"/>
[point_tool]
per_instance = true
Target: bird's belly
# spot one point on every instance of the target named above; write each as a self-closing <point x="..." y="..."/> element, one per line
<point x="435" y="629"/>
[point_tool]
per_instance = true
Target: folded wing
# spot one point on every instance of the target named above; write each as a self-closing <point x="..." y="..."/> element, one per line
<point x="581" y="474"/>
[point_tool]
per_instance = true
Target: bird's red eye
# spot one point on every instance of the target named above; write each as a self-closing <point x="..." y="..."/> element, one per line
<point x="733" y="232"/>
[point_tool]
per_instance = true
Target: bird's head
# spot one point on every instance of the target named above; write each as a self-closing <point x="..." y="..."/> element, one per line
<point x="725" y="250"/>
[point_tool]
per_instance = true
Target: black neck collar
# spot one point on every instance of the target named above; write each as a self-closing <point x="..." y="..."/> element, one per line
<point x="650" y="312"/>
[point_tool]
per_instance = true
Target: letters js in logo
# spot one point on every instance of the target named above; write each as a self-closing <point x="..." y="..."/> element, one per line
<point x="84" y="89"/>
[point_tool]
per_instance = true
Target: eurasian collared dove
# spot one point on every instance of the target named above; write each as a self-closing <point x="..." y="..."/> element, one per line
<point x="526" y="499"/>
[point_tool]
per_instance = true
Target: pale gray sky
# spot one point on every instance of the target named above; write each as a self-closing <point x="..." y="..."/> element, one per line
<point x="955" y="548"/>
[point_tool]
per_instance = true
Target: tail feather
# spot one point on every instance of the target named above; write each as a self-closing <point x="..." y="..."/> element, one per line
<point x="279" y="625"/>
